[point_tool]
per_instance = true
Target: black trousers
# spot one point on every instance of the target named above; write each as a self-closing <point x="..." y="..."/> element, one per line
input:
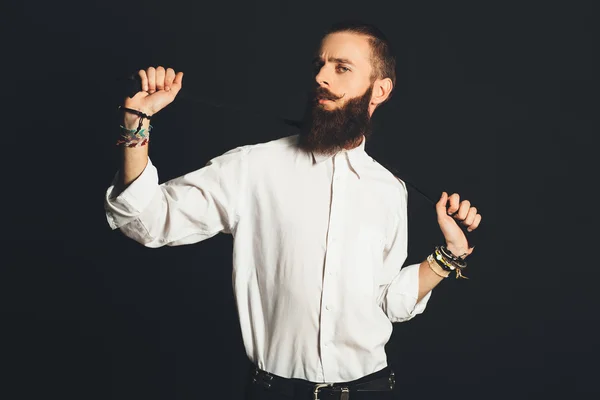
<point x="258" y="390"/>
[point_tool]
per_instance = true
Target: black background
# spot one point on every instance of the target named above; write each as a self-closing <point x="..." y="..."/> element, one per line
<point x="494" y="101"/>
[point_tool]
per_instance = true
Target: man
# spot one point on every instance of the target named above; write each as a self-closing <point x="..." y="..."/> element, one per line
<point x="319" y="227"/>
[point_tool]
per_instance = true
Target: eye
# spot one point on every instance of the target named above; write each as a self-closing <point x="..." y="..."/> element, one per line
<point x="341" y="69"/>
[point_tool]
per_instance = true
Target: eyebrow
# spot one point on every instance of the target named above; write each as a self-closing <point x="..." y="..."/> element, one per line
<point x="335" y="60"/>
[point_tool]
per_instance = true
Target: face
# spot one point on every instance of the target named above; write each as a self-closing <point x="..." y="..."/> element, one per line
<point x="339" y="109"/>
<point x="343" y="68"/>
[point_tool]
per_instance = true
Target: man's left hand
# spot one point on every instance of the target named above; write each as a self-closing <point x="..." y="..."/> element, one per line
<point x="451" y="212"/>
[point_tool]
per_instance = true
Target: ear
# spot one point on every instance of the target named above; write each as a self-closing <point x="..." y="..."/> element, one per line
<point x="381" y="90"/>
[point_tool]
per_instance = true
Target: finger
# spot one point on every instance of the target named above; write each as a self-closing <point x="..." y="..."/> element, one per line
<point x="440" y="206"/>
<point x="160" y="78"/>
<point x="151" y="79"/>
<point x="169" y="77"/>
<point x="463" y="210"/>
<point x="143" y="80"/>
<point x="454" y="203"/>
<point x="475" y="223"/>
<point x="470" y="218"/>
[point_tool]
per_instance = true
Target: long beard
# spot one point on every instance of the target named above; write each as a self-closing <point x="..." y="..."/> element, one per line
<point x="329" y="131"/>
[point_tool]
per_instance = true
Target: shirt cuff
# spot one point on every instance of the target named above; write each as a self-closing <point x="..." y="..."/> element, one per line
<point x="122" y="207"/>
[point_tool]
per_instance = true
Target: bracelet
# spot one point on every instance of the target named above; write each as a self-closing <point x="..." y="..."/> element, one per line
<point x="451" y="256"/>
<point x="436" y="268"/>
<point x="138" y="113"/>
<point x="454" y="264"/>
<point x="439" y="258"/>
<point x="133" y="138"/>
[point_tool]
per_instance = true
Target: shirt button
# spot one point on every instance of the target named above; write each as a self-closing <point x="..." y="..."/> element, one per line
<point x="328" y="307"/>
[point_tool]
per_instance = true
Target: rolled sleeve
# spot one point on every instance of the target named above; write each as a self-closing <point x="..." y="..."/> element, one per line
<point x="400" y="289"/>
<point x="121" y="208"/>
<point x="402" y="295"/>
<point x="184" y="210"/>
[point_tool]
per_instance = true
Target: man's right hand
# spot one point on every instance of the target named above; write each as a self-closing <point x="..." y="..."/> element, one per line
<point x="159" y="87"/>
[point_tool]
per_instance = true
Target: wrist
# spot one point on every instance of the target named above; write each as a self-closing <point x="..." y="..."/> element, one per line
<point x="135" y="116"/>
<point x="458" y="251"/>
<point x="130" y="120"/>
<point x="134" y="105"/>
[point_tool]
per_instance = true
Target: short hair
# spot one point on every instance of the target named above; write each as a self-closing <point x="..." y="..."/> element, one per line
<point x="382" y="57"/>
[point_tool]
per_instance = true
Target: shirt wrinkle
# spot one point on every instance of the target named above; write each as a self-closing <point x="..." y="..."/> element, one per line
<point x="318" y="251"/>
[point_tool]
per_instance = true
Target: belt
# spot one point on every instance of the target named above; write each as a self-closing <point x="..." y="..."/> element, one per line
<point x="380" y="381"/>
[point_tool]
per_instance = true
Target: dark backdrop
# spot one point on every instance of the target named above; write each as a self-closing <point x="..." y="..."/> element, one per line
<point x="494" y="101"/>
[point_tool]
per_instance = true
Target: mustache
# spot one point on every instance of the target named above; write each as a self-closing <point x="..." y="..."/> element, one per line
<point x="322" y="93"/>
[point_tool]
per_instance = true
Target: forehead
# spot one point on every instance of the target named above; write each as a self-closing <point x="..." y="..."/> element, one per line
<point x="347" y="45"/>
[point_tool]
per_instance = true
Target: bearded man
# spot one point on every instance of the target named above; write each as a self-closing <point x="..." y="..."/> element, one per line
<point x="319" y="227"/>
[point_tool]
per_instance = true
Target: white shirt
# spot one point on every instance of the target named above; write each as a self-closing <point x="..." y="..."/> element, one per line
<point x="318" y="246"/>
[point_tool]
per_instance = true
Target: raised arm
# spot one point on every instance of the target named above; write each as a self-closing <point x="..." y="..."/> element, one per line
<point x="184" y="210"/>
<point x="159" y="87"/>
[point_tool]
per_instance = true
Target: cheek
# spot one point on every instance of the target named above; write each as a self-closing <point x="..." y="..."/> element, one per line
<point x="352" y="89"/>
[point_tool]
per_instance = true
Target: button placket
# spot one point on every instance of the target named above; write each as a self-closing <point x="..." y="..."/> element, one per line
<point x="333" y="255"/>
<point x="333" y="232"/>
<point x="331" y="263"/>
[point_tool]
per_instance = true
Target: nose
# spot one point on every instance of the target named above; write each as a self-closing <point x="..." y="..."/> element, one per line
<point x="321" y="78"/>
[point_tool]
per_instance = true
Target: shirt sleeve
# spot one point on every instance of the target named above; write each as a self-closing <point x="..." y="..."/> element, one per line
<point x="399" y="290"/>
<point x="184" y="210"/>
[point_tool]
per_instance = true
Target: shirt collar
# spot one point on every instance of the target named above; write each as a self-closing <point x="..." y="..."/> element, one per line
<point x="354" y="156"/>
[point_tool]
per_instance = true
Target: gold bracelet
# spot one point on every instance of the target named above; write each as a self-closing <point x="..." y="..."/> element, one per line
<point x="436" y="268"/>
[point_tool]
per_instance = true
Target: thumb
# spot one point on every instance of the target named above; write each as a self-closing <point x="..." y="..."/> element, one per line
<point x="440" y="206"/>
<point x="177" y="83"/>
<point x="178" y="79"/>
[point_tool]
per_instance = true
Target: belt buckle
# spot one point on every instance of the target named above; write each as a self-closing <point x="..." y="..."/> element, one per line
<point x="318" y="387"/>
<point x="345" y="395"/>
